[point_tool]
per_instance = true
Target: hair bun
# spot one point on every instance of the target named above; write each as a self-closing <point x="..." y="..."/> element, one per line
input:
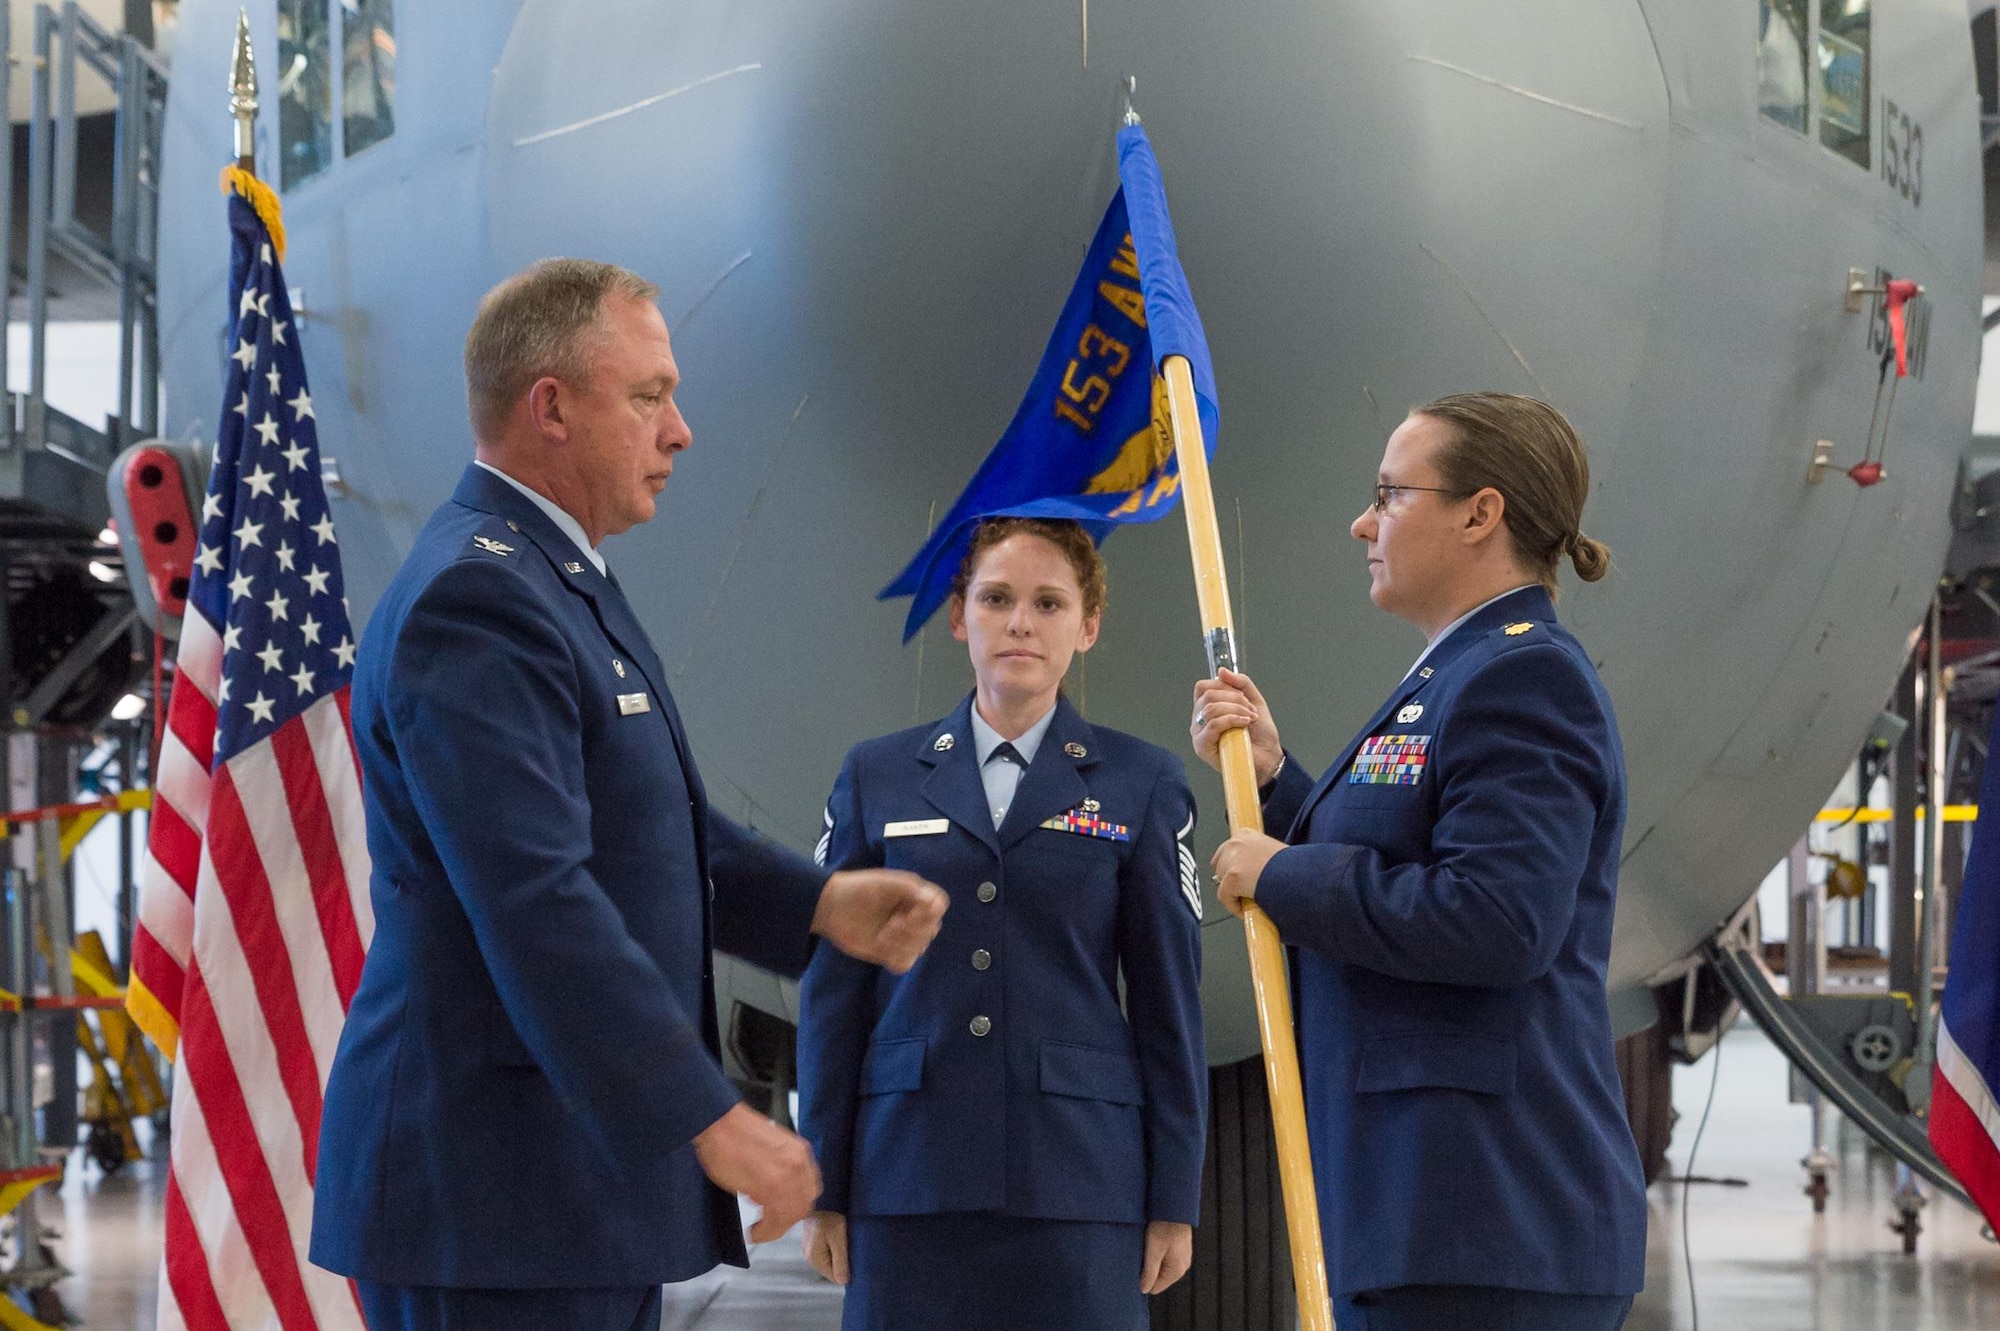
<point x="1590" y="557"/>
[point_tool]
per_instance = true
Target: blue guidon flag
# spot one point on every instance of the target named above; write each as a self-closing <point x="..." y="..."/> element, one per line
<point x="1090" y="440"/>
<point x="1965" y="1087"/>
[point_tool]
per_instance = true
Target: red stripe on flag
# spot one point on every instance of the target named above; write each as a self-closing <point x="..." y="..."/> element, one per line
<point x="158" y="971"/>
<point x="175" y="845"/>
<point x="321" y="849"/>
<point x="240" y="874"/>
<point x="260" y="1213"/>
<point x="187" y="1266"/>
<point x="192" y="719"/>
<point x="1964" y="1146"/>
<point x="346" y="695"/>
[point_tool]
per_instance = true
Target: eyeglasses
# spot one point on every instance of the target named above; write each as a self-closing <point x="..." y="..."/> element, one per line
<point x="1384" y="493"/>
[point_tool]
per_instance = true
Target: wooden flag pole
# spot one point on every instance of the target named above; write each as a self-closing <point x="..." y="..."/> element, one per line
<point x="1239" y="789"/>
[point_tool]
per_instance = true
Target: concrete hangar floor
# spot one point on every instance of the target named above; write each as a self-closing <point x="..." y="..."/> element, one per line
<point x="1762" y="1260"/>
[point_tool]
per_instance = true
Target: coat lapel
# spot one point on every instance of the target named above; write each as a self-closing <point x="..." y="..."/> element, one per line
<point x="480" y="489"/>
<point x="621" y="625"/>
<point x="1334" y="773"/>
<point x="953" y="787"/>
<point x="1054" y="781"/>
<point x="1530" y="603"/>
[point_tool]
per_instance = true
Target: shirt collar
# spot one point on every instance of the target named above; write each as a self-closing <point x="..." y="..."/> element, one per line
<point x="985" y="738"/>
<point x="568" y="525"/>
<point x="1455" y="624"/>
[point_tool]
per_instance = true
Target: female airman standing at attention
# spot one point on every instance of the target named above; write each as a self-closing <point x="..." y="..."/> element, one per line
<point x="1001" y="1146"/>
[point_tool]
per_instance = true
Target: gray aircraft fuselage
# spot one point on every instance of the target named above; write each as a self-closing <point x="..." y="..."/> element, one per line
<point x="864" y="217"/>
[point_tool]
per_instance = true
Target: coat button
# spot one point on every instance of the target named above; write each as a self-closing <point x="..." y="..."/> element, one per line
<point x="987" y="891"/>
<point x="981" y="1025"/>
<point x="981" y="959"/>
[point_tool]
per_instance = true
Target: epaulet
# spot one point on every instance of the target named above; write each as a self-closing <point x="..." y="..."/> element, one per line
<point x="1520" y="633"/>
<point x="497" y="539"/>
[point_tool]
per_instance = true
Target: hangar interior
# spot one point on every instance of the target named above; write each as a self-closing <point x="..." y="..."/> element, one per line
<point x="1777" y="1073"/>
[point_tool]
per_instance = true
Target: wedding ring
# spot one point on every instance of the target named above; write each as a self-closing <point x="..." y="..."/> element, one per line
<point x="1200" y="718"/>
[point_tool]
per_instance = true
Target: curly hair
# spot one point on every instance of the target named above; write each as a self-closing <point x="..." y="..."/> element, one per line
<point x="1064" y="534"/>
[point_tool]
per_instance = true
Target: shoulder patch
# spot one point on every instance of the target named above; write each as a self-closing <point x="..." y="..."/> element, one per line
<point x="493" y="547"/>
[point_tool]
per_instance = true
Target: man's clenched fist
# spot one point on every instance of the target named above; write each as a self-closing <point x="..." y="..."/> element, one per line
<point x="884" y="916"/>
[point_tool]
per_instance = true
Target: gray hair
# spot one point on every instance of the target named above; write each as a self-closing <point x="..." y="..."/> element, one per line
<point x="541" y="321"/>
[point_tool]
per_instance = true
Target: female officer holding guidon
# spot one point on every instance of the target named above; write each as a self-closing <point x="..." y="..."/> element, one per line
<point x="1449" y="886"/>
<point x="1001" y="1148"/>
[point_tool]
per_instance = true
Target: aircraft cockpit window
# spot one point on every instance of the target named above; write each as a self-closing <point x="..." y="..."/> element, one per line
<point x="1781" y="62"/>
<point x="368" y="83"/>
<point x="1843" y="77"/>
<point x="305" y="91"/>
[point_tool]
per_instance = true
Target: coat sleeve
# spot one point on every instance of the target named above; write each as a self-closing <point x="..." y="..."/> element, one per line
<point x="484" y="706"/>
<point x="836" y="1013"/>
<point x="1524" y="775"/>
<point x="1159" y="950"/>
<point x="765" y="896"/>
<point x="1287" y="795"/>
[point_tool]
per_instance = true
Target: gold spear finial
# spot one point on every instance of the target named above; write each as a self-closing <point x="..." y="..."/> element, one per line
<point x="243" y="94"/>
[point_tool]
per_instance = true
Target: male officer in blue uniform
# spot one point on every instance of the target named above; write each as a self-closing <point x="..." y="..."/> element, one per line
<point x="526" y="1124"/>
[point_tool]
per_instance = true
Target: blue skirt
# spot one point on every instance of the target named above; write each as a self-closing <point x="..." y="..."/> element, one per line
<point x="979" y="1271"/>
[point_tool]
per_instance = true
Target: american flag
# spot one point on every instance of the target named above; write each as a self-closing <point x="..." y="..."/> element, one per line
<point x="254" y="915"/>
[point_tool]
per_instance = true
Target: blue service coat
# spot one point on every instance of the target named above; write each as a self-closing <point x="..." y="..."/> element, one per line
<point x="1449" y="889"/>
<point x="1001" y="1074"/>
<point x="533" y="1043"/>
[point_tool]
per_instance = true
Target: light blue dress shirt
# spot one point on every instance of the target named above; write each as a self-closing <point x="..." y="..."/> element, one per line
<point x="1001" y="777"/>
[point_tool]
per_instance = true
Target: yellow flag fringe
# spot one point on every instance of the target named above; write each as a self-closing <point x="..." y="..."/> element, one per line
<point x="235" y="180"/>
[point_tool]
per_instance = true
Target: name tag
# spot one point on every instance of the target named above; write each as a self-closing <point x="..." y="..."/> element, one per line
<point x="631" y="704"/>
<point x="917" y="827"/>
